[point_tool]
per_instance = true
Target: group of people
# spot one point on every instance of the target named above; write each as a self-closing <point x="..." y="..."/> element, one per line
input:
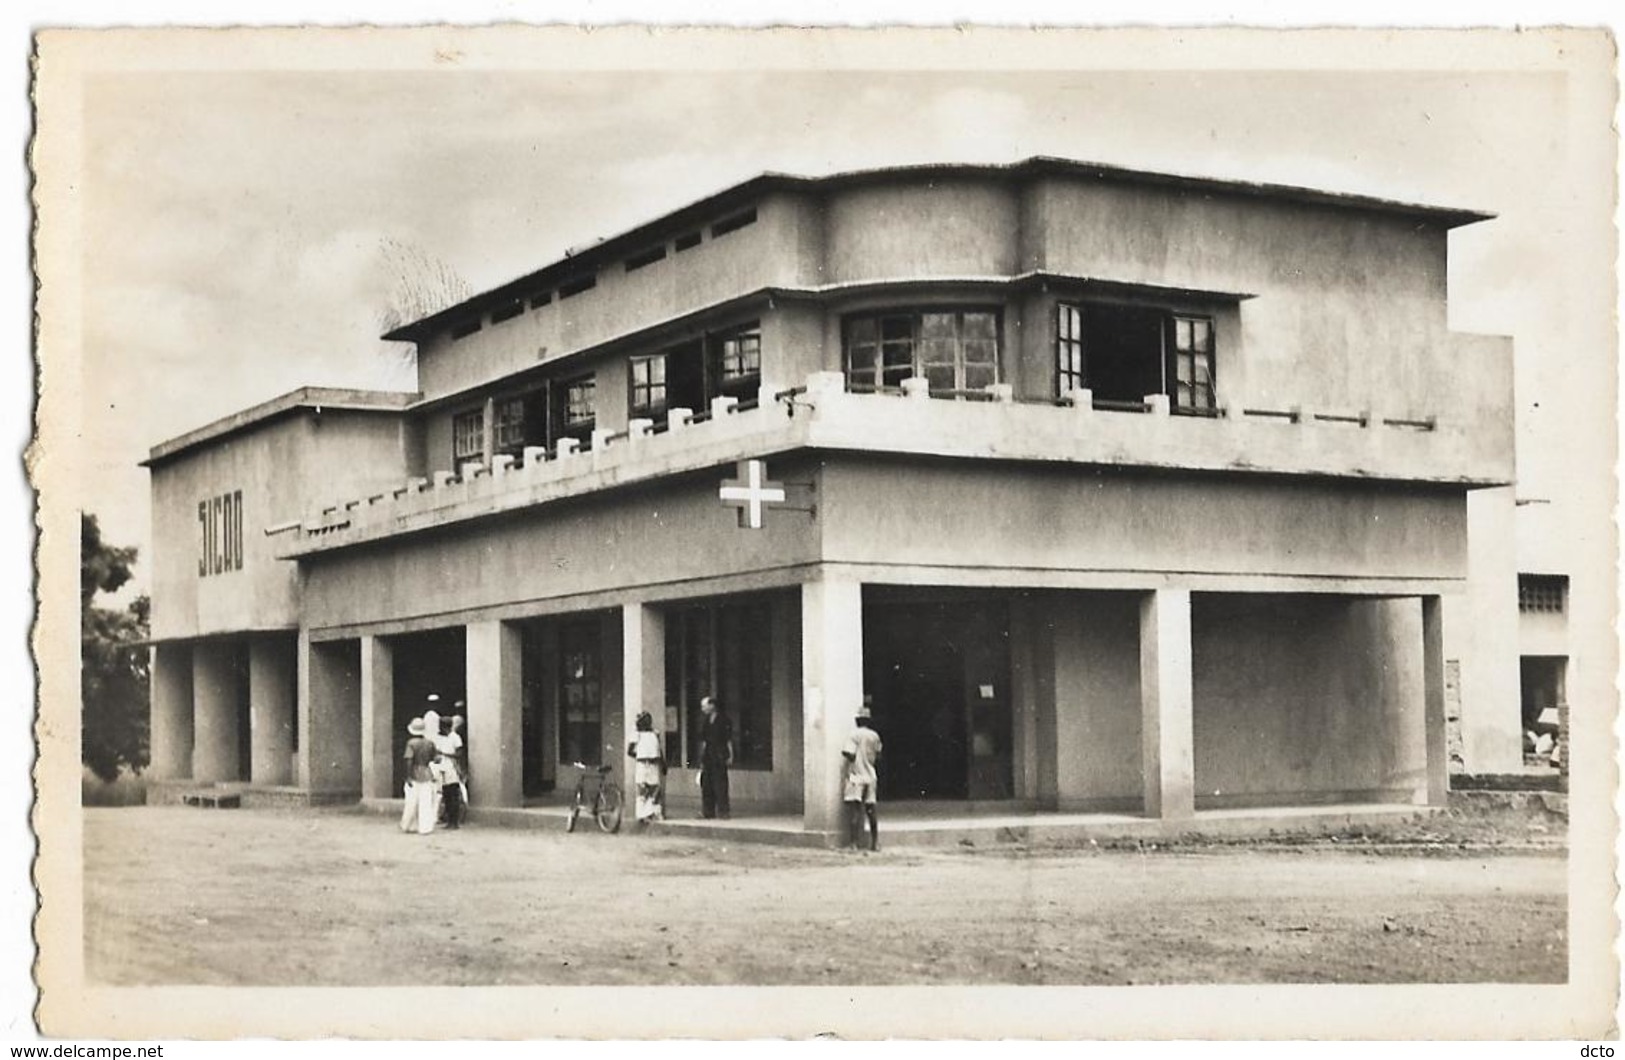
<point x="860" y="777"/>
<point x="436" y="774"/>
<point x="437" y="784"/>
<point x="648" y="754"/>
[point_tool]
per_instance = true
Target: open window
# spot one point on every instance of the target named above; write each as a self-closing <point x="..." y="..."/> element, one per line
<point x="1122" y="353"/>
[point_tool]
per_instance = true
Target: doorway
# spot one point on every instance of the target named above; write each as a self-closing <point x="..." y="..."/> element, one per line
<point x="937" y="671"/>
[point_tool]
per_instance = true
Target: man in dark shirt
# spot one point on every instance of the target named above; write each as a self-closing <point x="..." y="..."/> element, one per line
<point x="716" y="755"/>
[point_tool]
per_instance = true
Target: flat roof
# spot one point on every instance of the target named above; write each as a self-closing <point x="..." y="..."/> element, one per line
<point x="584" y="259"/>
<point x="306" y="397"/>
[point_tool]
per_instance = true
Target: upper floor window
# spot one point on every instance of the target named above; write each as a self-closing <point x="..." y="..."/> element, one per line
<point x="467" y="437"/>
<point x="738" y="359"/>
<point x="575" y="408"/>
<point x="956" y="351"/>
<point x="649" y="386"/>
<point x="1124" y="353"/>
<point x="1068" y="349"/>
<point x="1543" y="593"/>
<point x="508" y="427"/>
<point x="1192" y="354"/>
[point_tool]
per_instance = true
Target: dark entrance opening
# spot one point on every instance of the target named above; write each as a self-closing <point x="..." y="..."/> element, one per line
<point x="938" y="670"/>
<point x="1541" y="679"/>
<point x="425" y="664"/>
<point x="1123" y="349"/>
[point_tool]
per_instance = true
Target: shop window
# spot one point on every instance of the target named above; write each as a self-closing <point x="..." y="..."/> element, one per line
<point x="957" y="351"/>
<point x="721" y="650"/>
<point x="581" y="734"/>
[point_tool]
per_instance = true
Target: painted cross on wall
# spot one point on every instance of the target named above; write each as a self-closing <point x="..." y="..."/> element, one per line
<point x="750" y="492"/>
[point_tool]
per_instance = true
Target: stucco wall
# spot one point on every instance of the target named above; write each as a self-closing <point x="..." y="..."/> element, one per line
<point x="1481" y="629"/>
<point x="1350" y="306"/>
<point x="667" y="533"/>
<point x="985" y="516"/>
<point x="1302" y="695"/>
<point x="951" y="226"/>
<point x="779" y="249"/>
<point x="284" y="468"/>
<point x="1097" y="700"/>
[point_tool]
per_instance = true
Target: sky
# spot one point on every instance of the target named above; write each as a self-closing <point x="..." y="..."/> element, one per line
<point x="242" y="227"/>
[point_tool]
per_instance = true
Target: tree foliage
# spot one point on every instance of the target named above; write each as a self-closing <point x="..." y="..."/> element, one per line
<point x="113" y="667"/>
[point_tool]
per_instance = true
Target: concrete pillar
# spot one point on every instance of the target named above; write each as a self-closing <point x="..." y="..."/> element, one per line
<point x="377" y="719"/>
<point x="1482" y="629"/>
<point x="1167" y="744"/>
<point x="270" y="709"/>
<point x="494" y="715"/>
<point x="1381" y="660"/>
<point x="329" y="716"/>
<point x="1438" y="757"/>
<point x="831" y="693"/>
<point x="643" y="679"/>
<point x="170" y="741"/>
<point x="215" y="724"/>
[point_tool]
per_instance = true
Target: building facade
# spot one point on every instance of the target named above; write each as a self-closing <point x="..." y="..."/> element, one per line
<point x="1110" y="490"/>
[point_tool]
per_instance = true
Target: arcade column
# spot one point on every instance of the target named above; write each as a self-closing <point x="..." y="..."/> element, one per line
<point x="170" y="742"/>
<point x="271" y="695"/>
<point x="1433" y="718"/>
<point x="495" y="761"/>
<point x="831" y="693"/>
<point x="377" y="718"/>
<point x="643" y="678"/>
<point x="329" y="716"/>
<point x="216" y="729"/>
<point x="1167" y="742"/>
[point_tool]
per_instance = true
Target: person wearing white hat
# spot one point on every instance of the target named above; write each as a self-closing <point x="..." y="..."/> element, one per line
<point x="860" y="758"/>
<point x="420" y="780"/>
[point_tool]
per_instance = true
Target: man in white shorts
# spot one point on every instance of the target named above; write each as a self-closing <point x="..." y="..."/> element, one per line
<point x="860" y="755"/>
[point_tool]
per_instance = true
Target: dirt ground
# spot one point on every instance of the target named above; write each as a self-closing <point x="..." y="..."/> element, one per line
<point x="259" y="897"/>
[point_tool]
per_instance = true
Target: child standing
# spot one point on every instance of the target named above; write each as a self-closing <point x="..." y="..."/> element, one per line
<point x="648" y="770"/>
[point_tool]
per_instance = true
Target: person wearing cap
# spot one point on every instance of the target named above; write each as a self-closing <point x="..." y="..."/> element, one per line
<point x="648" y="769"/>
<point x="716" y="755"/>
<point x="859" y="759"/>
<point x="420" y="781"/>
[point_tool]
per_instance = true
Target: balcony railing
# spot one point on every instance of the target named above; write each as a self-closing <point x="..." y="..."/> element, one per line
<point x="824" y="415"/>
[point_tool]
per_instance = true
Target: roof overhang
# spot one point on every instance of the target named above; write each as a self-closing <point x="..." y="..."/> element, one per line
<point x="587" y="259"/>
<point x="310" y="397"/>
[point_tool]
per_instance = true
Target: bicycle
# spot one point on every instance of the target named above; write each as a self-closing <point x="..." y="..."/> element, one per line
<point x="606" y="800"/>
